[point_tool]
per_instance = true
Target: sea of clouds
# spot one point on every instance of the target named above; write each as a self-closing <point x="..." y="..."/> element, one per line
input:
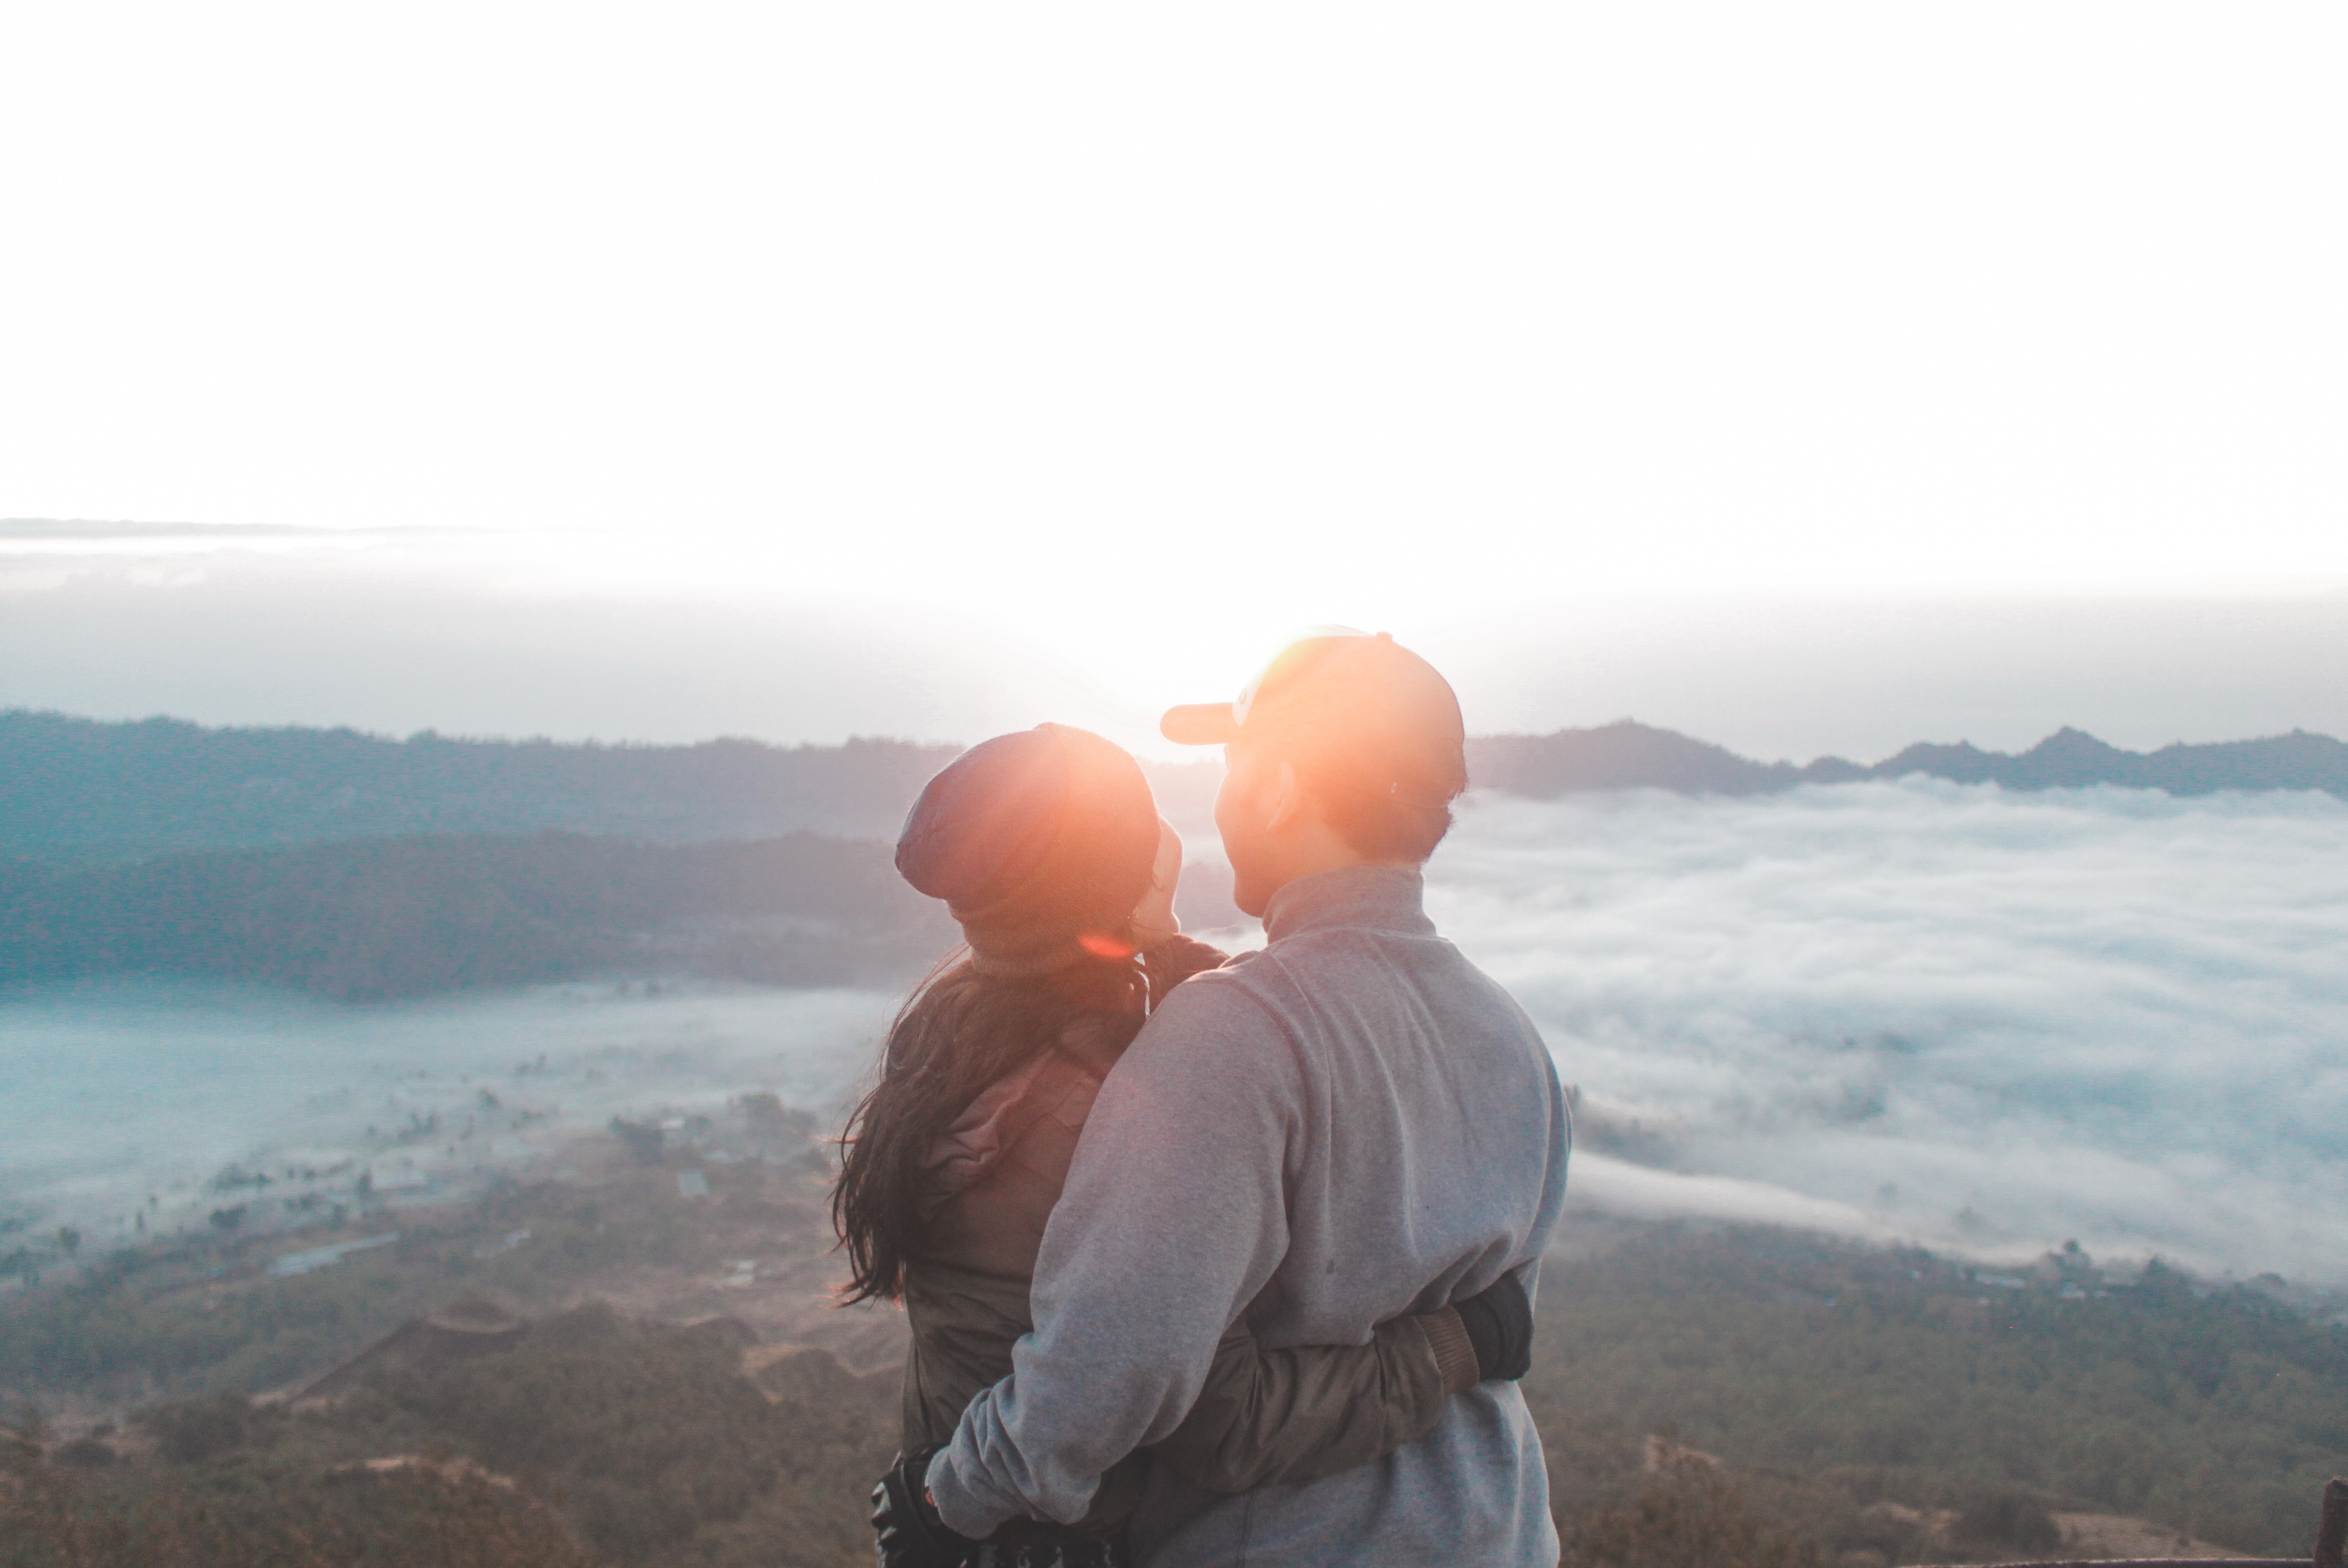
<point x="1988" y="1022"/>
<point x="1982" y="1020"/>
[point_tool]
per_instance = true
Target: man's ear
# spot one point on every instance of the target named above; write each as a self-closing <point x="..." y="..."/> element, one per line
<point x="1287" y="800"/>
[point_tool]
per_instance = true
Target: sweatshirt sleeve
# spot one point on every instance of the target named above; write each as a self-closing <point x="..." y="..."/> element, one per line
<point x="1268" y="1417"/>
<point x="1172" y="1219"/>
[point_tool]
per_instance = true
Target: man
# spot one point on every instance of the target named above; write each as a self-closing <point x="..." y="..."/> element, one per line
<point x="1351" y="1124"/>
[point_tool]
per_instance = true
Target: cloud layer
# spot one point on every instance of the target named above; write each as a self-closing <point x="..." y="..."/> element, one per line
<point x="1985" y="1021"/>
<point x="1976" y="1018"/>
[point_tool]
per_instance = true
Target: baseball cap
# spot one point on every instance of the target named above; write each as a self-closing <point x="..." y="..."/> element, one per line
<point x="1352" y="709"/>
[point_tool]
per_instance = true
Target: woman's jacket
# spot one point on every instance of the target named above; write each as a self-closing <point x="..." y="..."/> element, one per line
<point x="1264" y="1415"/>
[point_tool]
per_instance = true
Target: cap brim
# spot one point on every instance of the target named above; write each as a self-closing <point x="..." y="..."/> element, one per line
<point x="1200" y="724"/>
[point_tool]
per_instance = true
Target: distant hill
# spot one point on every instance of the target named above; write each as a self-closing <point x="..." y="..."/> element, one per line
<point x="83" y="791"/>
<point x="79" y="786"/>
<point x="1628" y="756"/>
<point x="90" y="791"/>
<point x="2070" y="758"/>
<point x="368" y="918"/>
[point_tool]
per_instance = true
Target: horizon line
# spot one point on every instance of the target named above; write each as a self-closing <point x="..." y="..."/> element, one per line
<point x="429" y="735"/>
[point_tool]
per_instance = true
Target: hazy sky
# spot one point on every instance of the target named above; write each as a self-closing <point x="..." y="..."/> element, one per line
<point x="1107" y="343"/>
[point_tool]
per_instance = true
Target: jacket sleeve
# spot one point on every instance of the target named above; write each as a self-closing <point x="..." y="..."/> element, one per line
<point x="1299" y="1414"/>
<point x="1172" y="1219"/>
<point x="1176" y="960"/>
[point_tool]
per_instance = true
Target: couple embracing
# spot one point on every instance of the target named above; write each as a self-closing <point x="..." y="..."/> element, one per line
<point x="1211" y="1260"/>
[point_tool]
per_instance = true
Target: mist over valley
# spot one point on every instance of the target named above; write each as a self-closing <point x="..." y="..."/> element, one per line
<point x="1988" y="1013"/>
<point x="1987" y="1021"/>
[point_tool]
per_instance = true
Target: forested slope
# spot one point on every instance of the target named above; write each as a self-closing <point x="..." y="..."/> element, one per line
<point x="2217" y="1409"/>
<point x="366" y="919"/>
<point x="1754" y="1398"/>
<point x="80" y="786"/>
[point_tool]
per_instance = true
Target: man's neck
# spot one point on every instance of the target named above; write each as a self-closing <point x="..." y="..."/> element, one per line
<point x="1313" y="866"/>
<point x="1372" y="893"/>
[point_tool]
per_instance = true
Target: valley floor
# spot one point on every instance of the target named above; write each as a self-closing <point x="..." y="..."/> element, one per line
<point x="686" y="1394"/>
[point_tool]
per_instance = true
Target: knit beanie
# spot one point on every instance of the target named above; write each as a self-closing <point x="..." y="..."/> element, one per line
<point x="1037" y="841"/>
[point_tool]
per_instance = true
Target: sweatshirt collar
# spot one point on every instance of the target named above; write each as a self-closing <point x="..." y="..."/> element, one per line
<point x="1378" y="897"/>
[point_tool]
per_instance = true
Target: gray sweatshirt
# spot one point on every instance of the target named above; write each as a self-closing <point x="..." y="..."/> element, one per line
<point x="1353" y="1125"/>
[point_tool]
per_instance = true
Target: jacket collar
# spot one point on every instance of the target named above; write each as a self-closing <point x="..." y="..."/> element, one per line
<point x="1378" y="897"/>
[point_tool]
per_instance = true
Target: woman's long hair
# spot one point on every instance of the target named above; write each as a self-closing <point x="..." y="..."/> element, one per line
<point x="957" y="1033"/>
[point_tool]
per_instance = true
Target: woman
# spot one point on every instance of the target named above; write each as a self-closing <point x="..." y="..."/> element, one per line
<point x="1047" y="848"/>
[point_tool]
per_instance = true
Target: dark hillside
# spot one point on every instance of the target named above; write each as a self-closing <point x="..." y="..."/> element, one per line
<point x="401" y="917"/>
<point x="78" y="791"/>
<point x="1747" y="1397"/>
<point x="79" y="787"/>
<point x="1893" y="1374"/>
<point x="599" y="1442"/>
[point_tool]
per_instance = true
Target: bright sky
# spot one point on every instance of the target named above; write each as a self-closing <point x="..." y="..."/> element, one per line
<point x="1142" y="334"/>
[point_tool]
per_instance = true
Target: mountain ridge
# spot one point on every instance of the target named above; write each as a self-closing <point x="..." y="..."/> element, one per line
<point x="97" y="790"/>
<point x="1627" y="754"/>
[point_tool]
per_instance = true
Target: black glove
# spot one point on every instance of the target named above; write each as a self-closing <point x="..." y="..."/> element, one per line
<point x="1500" y="1325"/>
<point x="912" y="1534"/>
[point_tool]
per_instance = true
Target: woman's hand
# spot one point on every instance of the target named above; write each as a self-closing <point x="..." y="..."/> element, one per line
<point x="910" y="1533"/>
<point x="1499" y="1322"/>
